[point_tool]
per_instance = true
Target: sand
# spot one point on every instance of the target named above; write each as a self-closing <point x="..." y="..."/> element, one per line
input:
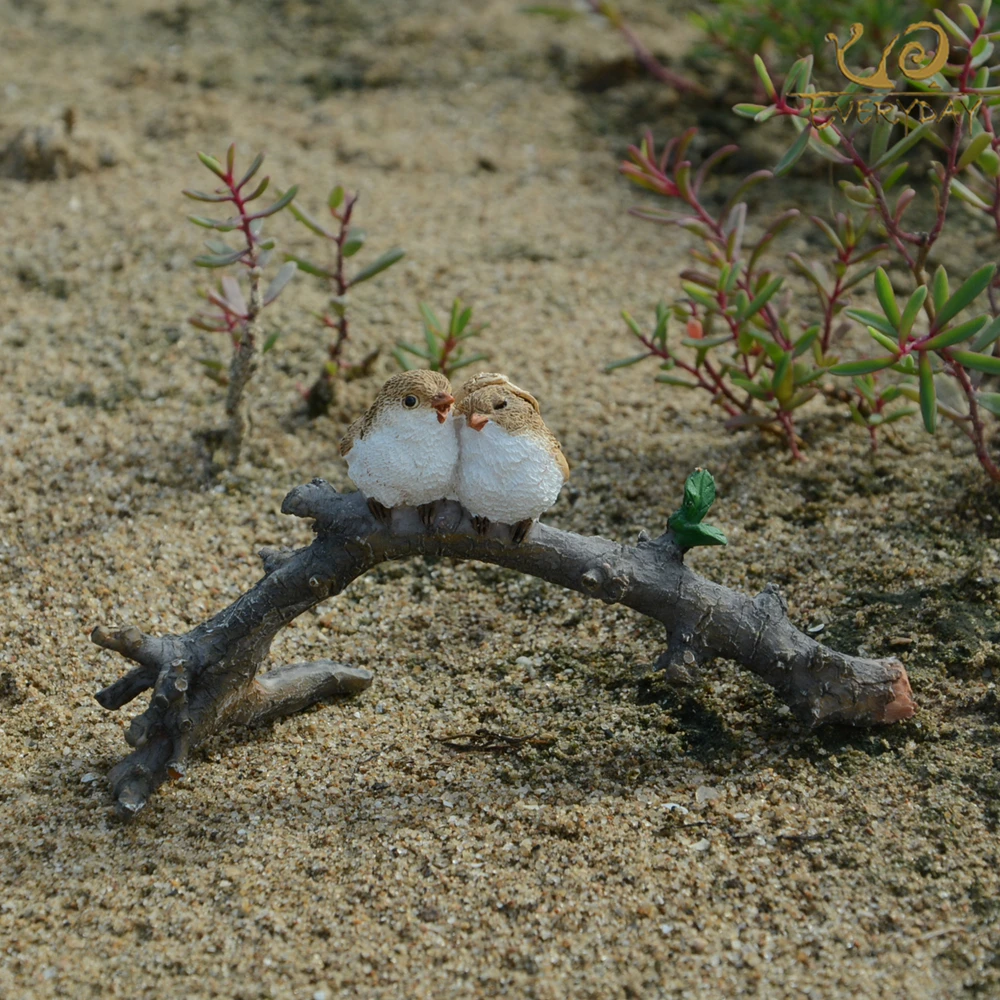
<point x="654" y="841"/>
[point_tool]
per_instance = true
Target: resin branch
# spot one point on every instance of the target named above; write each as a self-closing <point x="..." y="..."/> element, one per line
<point x="211" y="677"/>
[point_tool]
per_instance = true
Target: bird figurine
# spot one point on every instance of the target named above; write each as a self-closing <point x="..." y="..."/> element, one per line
<point x="404" y="449"/>
<point x="510" y="466"/>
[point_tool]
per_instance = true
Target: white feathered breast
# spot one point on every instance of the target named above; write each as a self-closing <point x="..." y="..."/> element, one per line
<point x="505" y="477"/>
<point x="409" y="458"/>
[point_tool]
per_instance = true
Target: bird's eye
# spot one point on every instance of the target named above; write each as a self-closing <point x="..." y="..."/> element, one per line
<point x="500" y="404"/>
<point x="410" y="401"/>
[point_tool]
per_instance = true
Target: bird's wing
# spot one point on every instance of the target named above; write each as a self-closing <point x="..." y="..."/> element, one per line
<point x="563" y="464"/>
<point x="353" y="433"/>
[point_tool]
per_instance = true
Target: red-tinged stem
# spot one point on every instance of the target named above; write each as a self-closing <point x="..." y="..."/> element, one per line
<point x="786" y="421"/>
<point x="646" y="58"/>
<point x="977" y="432"/>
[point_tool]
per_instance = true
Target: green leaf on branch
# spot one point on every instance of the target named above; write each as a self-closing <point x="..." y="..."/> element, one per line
<point x="913" y="306"/>
<point x="956" y="334"/>
<point x="969" y="291"/>
<point x="887" y="298"/>
<point x="863" y="367"/>
<point x="284" y="275"/>
<point x="989" y="401"/>
<point x="978" y="362"/>
<point x="383" y="263"/>
<point x="219" y="259"/>
<point x="928" y="397"/>
<point x="699" y="495"/>
<point x="793" y="154"/>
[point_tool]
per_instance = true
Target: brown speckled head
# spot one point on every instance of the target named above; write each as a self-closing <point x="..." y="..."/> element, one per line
<point x="513" y="410"/>
<point x="417" y="390"/>
<point x="484" y="379"/>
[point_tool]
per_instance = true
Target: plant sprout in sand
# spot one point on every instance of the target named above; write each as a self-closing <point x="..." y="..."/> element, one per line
<point x="762" y="355"/>
<point x="234" y="313"/>
<point x="443" y="349"/>
<point x="346" y="240"/>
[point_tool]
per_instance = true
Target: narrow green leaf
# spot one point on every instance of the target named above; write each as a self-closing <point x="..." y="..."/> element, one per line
<point x="880" y="139"/>
<point x="748" y="110"/>
<point x="205" y="196"/>
<point x="887" y="343"/>
<point x="626" y="362"/>
<point x="989" y="401"/>
<point x="862" y="367"/>
<point x="416" y="351"/>
<point x="886" y="298"/>
<point x="252" y="169"/>
<point x="269" y="343"/>
<point x="206" y="223"/>
<point x="284" y="200"/>
<point x="285" y="274"/>
<point x="987" y="337"/>
<point x="762" y="298"/>
<point x="259" y="190"/>
<point x="308" y="221"/>
<point x="219" y="260"/>
<point x="939" y="288"/>
<point x="928" y="399"/>
<point x="956" y="334"/>
<point x="906" y="143"/>
<point x="336" y="198"/>
<point x="793" y="154"/>
<point x="308" y="267"/>
<point x="903" y="411"/>
<point x="870" y="318"/>
<point x="765" y="79"/>
<point x="354" y="242"/>
<point x="966" y="294"/>
<point x="978" y="362"/>
<point x="975" y="149"/>
<point x="213" y="164"/>
<point x="910" y="312"/>
<point x="379" y="265"/>
<point x="674" y="380"/>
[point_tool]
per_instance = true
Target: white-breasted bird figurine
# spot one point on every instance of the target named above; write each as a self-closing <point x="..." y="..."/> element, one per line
<point x="510" y="466"/>
<point x="404" y="450"/>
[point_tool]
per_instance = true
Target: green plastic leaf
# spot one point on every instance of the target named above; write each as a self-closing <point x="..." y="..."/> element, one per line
<point x="383" y="263"/>
<point x="956" y="334"/>
<point x="699" y="495"/>
<point x="978" y="362"/>
<point x="928" y="398"/>
<point x="969" y="291"/>
<point x="862" y="367"/>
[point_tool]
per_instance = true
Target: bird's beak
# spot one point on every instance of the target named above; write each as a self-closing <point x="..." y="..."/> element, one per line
<point x="442" y="403"/>
<point x="477" y="421"/>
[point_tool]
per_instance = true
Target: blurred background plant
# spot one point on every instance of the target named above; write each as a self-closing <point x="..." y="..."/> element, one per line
<point x="761" y="356"/>
<point x="234" y="313"/>
<point x="346" y="240"/>
<point x="443" y="349"/>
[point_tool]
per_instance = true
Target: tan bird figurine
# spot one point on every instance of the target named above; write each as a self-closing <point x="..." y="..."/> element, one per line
<point x="510" y="467"/>
<point x="404" y="450"/>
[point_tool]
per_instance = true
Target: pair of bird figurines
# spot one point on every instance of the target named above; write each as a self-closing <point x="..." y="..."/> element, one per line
<point x="493" y="454"/>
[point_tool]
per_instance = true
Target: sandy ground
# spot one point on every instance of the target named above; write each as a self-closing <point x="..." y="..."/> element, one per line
<point x="660" y="842"/>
